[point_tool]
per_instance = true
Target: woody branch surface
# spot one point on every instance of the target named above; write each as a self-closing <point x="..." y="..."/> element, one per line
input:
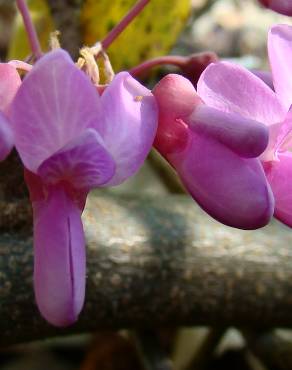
<point x="157" y="262"/>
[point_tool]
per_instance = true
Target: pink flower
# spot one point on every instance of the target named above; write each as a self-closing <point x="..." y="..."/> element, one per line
<point x="71" y="140"/>
<point x="233" y="89"/>
<point x="215" y="154"/>
<point x="280" y="6"/>
<point x="9" y="84"/>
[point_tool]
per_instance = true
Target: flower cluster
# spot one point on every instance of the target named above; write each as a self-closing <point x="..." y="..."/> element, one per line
<point x="228" y="140"/>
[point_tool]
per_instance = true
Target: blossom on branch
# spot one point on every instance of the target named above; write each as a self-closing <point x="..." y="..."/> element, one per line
<point x="215" y="154"/>
<point x="233" y="89"/>
<point x="71" y="140"/>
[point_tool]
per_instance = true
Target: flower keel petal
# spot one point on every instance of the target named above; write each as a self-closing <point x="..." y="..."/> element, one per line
<point x="59" y="264"/>
<point x="228" y="187"/>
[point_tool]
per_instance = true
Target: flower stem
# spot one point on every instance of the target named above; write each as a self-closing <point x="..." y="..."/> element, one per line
<point x="176" y="60"/>
<point x="30" y="29"/>
<point x="119" y="28"/>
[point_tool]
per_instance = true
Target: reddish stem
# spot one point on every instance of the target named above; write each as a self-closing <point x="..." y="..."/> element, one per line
<point x="176" y="60"/>
<point x="119" y="28"/>
<point x="191" y="66"/>
<point x="30" y="29"/>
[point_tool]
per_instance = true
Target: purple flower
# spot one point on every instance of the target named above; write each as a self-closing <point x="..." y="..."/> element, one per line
<point x="72" y="140"/>
<point x="231" y="88"/>
<point x="215" y="154"/>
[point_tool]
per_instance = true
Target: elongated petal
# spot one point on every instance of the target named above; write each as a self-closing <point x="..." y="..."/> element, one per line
<point x="279" y="174"/>
<point x="84" y="163"/>
<point x="9" y="84"/>
<point x="232" y="88"/>
<point x="59" y="262"/>
<point x="6" y="137"/>
<point x="280" y="55"/>
<point x="129" y="124"/>
<point x="55" y="102"/>
<point x="228" y="187"/>
<point x="246" y="137"/>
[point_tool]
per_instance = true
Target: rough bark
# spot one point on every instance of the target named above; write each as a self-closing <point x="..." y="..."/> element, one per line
<point x="157" y="262"/>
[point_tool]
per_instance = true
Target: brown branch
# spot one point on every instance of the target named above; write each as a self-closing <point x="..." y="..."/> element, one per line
<point x="158" y="262"/>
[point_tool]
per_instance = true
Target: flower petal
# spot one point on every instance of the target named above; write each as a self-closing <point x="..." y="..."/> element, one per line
<point x="228" y="187"/>
<point x="9" y="84"/>
<point x="232" y="88"/>
<point x="284" y="137"/>
<point x="176" y="98"/>
<point x="279" y="174"/>
<point x="129" y="124"/>
<point x="246" y="137"/>
<point x="59" y="262"/>
<point x="280" y="55"/>
<point x="265" y="76"/>
<point x="84" y="163"/>
<point x="54" y="104"/>
<point x="6" y="137"/>
<point x="19" y="64"/>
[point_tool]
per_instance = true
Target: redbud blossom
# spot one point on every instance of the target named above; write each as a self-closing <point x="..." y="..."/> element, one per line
<point x="71" y="140"/>
<point x="231" y="88"/>
<point x="215" y="155"/>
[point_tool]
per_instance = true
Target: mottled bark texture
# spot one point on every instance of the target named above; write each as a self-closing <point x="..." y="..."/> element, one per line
<point x="157" y="262"/>
<point x="15" y="209"/>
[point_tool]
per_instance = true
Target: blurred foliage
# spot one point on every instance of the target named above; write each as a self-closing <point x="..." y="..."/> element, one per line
<point x="40" y="13"/>
<point x="145" y="38"/>
<point x="148" y="35"/>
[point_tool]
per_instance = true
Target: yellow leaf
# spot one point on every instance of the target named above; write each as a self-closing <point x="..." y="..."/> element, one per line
<point x="151" y="34"/>
<point x="19" y="46"/>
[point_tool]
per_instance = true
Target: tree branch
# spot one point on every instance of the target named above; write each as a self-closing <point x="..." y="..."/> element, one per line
<point x="157" y="262"/>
